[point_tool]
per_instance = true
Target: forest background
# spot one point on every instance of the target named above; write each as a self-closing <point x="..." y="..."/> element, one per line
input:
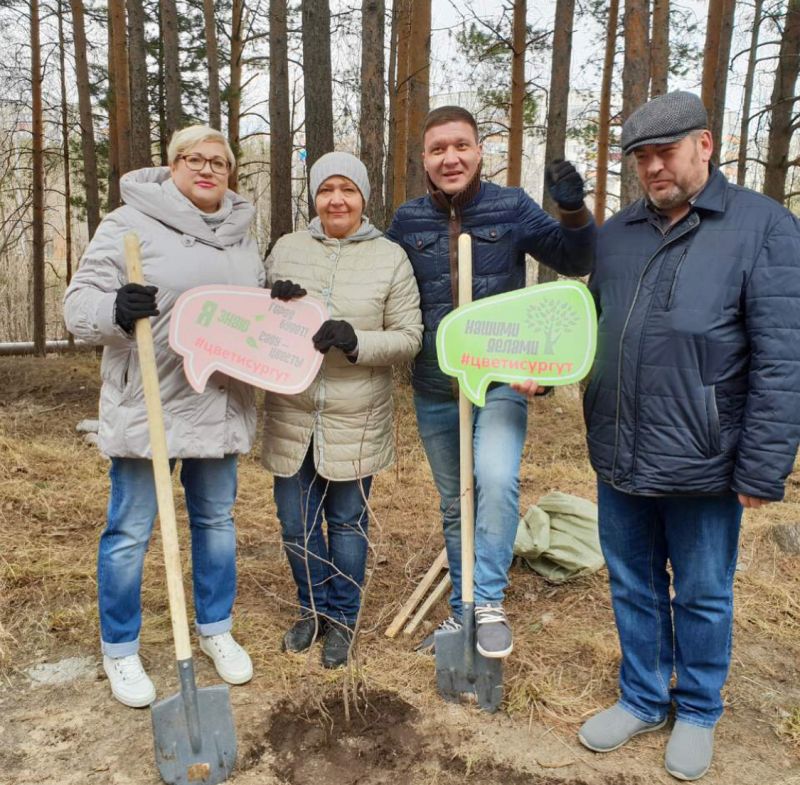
<point x="90" y="90"/>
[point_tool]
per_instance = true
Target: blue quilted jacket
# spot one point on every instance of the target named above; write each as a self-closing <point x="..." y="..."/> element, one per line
<point x="505" y="224"/>
<point x="696" y="383"/>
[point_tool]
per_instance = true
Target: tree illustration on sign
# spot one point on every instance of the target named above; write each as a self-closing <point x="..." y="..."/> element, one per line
<point x="553" y="318"/>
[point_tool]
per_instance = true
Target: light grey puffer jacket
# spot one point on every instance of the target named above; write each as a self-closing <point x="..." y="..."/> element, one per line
<point x="179" y="251"/>
<point x="366" y="280"/>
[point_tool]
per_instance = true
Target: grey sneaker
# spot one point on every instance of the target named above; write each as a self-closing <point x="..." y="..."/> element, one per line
<point x="612" y="728"/>
<point x="492" y="633"/>
<point x="428" y="645"/>
<point x="689" y="751"/>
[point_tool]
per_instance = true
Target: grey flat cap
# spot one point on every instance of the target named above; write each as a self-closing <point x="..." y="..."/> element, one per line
<point x="665" y="119"/>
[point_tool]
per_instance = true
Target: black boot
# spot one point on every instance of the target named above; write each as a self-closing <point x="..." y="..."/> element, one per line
<point x="302" y="633"/>
<point x="336" y="645"/>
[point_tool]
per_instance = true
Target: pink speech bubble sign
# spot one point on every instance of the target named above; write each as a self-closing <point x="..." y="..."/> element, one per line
<point x="244" y="333"/>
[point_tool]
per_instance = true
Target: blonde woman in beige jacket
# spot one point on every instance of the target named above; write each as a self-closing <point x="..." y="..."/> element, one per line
<point x="325" y="444"/>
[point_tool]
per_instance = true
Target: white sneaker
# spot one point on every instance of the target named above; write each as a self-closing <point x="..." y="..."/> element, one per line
<point x="129" y="682"/>
<point x="230" y="659"/>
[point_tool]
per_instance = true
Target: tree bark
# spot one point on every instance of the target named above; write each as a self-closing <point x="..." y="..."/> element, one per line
<point x="87" y="124"/>
<point x="744" y="131"/>
<point x="317" y="82"/>
<point x="114" y="200"/>
<point x="212" y="56"/>
<point x="391" y="82"/>
<point x="418" y="95"/>
<point x="121" y="92"/>
<point x="65" y="154"/>
<point x="400" y="148"/>
<point x="172" y="68"/>
<point x="37" y="128"/>
<point x="371" y="122"/>
<point x="659" y="49"/>
<point x="604" y="119"/>
<point x="280" y="137"/>
<point x="719" y="31"/>
<point x="235" y="87"/>
<point x="635" y="81"/>
<point x="784" y="98"/>
<point x="514" y="173"/>
<point x="140" y="107"/>
<point x="555" y="145"/>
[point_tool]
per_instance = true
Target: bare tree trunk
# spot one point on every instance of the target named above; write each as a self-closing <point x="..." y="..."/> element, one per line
<point x="140" y="108"/>
<point x="212" y="55"/>
<point x="317" y="81"/>
<point x="659" y="49"/>
<point x="114" y="200"/>
<point x="744" y="132"/>
<point x="172" y="67"/>
<point x="65" y="154"/>
<point x="37" y="129"/>
<point x="235" y="87"/>
<point x="719" y="31"/>
<point x="557" y="107"/>
<point x="783" y="121"/>
<point x="519" y="36"/>
<point x="121" y="92"/>
<point x="161" y="92"/>
<point x="635" y="81"/>
<point x="391" y="82"/>
<point x="280" y="137"/>
<point x="372" y="105"/>
<point x="419" y="57"/>
<point x="604" y="119"/>
<point x="400" y="149"/>
<point x="87" y="125"/>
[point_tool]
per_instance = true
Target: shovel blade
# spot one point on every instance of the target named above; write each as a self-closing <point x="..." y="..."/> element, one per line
<point x="454" y="677"/>
<point x="210" y="756"/>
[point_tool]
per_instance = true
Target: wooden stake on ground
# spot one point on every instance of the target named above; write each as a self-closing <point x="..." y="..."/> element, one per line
<point x="430" y="576"/>
<point x="437" y="594"/>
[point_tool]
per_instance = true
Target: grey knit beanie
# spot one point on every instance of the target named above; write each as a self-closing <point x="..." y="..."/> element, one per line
<point x="342" y="164"/>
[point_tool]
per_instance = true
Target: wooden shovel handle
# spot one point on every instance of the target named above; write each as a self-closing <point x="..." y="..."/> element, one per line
<point x="161" y="472"/>
<point x="465" y="439"/>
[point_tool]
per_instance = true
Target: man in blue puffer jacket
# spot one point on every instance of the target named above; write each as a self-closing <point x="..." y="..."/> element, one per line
<point x="505" y="224"/>
<point x="692" y="412"/>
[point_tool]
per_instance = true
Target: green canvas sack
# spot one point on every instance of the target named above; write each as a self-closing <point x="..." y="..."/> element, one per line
<point x="558" y="537"/>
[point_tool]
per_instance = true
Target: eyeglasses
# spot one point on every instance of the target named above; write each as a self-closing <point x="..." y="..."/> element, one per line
<point x="197" y="162"/>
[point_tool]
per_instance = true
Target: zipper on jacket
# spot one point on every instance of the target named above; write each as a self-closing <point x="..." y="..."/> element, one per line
<point x="647" y="266"/>
<point x="675" y="278"/>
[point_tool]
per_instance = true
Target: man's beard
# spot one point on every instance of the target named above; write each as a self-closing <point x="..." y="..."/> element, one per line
<point x="676" y="197"/>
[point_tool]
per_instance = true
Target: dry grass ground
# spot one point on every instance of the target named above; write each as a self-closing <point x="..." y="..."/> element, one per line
<point x="53" y="490"/>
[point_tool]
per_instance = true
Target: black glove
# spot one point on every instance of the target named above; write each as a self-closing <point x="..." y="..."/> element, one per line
<point x="564" y="184"/>
<point x="133" y="302"/>
<point x="286" y="290"/>
<point x="335" y="332"/>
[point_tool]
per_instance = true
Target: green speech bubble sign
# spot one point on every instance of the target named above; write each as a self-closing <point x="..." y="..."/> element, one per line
<point x="547" y="333"/>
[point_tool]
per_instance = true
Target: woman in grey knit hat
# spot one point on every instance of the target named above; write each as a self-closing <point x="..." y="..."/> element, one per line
<point x="325" y="444"/>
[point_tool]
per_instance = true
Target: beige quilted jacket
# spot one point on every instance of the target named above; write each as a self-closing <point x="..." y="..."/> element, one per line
<point x="367" y="281"/>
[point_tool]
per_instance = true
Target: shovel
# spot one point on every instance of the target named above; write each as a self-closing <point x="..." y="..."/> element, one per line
<point x="194" y="735"/>
<point x="460" y="668"/>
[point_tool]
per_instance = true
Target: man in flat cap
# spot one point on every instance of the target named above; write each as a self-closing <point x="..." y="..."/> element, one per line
<point x="692" y="413"/>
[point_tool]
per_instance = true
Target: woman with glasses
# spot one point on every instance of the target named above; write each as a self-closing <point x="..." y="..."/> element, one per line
<point x="193" y="232"/>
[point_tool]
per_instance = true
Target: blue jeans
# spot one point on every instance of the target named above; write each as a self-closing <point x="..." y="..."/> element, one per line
<point x="328" y="574"/>
<point x="209" y="486"/>
<point x="499" y="430"/>
<point x="690" y="634"/>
